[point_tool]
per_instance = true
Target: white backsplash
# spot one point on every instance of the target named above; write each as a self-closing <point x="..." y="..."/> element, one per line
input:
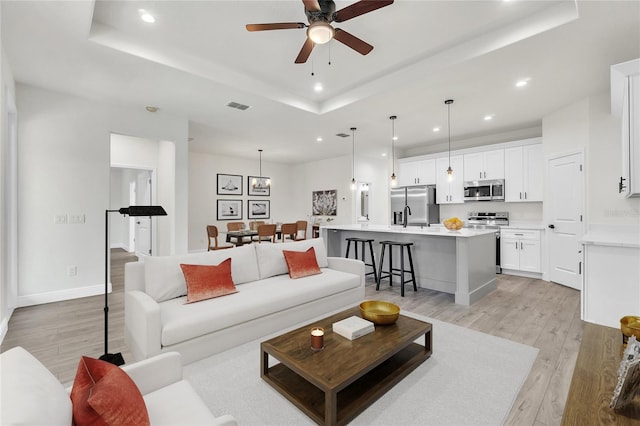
<point x="517" y="211"/>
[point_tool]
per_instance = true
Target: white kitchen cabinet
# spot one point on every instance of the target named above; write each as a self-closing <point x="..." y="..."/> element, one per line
<point x="520" y="250"/>
<point x="449" y="191"/>
<point x="422" y="172"/>
<point x="484" y="165"/>
<point x="625" y="104"/>
<point x="523" y="167"/>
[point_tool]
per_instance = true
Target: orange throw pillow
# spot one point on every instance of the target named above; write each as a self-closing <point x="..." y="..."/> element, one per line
<point x="301" y="263"/>
<point x="208" y="281"/>
<point x="103" y="394"/>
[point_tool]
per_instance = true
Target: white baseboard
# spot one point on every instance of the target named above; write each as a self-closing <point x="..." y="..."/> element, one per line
<point x="122" y="246"/>
<point x="57" y="296"/>
<point x="525" y="274"/>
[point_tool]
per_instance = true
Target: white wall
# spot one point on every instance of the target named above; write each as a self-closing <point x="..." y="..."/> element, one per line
<point x="291" y="188"/>
<point x="64" y="168"/>
<point x="203" y="170"/>
<point x="588" y="125"/>
<point x="160" y="158"/>
<point x="8" y="188"/>
<point x="517" y="211"/>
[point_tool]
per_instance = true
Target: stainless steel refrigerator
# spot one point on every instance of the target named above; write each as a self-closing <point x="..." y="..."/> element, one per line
<point x="421" y="201"/>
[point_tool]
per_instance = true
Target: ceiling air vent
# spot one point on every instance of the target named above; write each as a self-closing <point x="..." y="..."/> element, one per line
<point x="342" y="135"/>
<point x="236" y="105"/>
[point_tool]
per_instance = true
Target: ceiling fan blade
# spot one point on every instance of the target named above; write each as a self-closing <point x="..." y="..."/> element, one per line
<point x="311" y="5"/>
<point x="275" y="26"/>
<point x="359" y="8"/>
<point x="307" y="47"/>
<point x="352" y="41"/>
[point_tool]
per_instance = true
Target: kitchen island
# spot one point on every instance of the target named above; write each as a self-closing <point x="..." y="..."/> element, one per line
<point x="461" y="262"/>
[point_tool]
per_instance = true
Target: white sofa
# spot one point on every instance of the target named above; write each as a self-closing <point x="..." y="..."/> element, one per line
<point x="31" y="395"/>
<point x="157" y="318"/>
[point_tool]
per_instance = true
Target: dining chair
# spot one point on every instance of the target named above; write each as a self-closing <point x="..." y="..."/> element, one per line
<point x="253" y="225"/>
<point x="235" y="226"/>
<point x="266" y="233"/>
<point x="301" y="234"/>
<point x="212" y="237"/>
<point x="288" y="232"/>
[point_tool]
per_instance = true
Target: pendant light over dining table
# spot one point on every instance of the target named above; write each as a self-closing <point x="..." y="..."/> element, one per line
<point x="258" y="182"/>
<point x="448" y="102"/>
<point x="353" y="159"/>
<point x="394" y="180"/>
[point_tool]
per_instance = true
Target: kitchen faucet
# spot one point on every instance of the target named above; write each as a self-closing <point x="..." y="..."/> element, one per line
<point x="407" y="212"/>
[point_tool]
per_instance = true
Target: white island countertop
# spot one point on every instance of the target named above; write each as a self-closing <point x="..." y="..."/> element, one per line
<point x="413" y="230"/>
<point x="462" y="263"/>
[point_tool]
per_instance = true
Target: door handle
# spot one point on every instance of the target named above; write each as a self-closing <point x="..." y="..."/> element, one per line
<point x="621" y="186"/>
<point x="552" y="226"/>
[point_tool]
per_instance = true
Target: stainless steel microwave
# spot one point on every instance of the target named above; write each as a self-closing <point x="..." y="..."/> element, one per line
<point x="484" y="190"/>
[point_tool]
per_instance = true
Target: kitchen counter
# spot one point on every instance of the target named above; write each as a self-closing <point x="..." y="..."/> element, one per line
<point x="461" y="262"/>
<point x="613" y="235"/>
<point x="436" y="230"/>
<point x="525" y="224"/>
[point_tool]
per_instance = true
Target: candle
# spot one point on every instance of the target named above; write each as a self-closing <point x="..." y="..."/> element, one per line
<point x="317" y="338"/>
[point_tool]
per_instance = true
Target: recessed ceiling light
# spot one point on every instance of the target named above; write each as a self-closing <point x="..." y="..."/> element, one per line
<point x="488" y="117"/>
<point x="146" y="16"/>
<point x="384" y="154"/>
<point x="436" y="129"/>
<point x="318" y="87"/>
<point x="522" y="83"/>
<point x="318" y="139"/>
<point x="395" y="138"/>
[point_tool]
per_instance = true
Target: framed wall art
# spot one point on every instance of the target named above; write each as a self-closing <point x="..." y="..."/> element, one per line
<point x="261" y="187"/>
<point x="229" y="209"/>
<point x="229" y="184"/>
<point x="324" y="203"/>
<point x="258" y="209"/>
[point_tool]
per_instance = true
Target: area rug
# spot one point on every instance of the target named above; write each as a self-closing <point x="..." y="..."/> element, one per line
<point x="471" y="378"/>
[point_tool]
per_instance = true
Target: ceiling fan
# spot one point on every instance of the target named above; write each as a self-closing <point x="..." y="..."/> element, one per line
<point x="320" y="14"/>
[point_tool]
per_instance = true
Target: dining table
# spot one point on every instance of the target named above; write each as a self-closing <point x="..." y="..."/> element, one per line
<point x="240" y="236"/>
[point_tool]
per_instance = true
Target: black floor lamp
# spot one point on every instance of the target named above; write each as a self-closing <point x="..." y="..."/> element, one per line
<point x="117" y="358"/>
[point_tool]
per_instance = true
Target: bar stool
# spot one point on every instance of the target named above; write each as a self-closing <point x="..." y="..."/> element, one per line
<point x="396" y="271"/>
<point x="373" y="259"/>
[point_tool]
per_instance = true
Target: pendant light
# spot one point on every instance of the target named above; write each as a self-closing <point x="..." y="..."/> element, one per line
<point x="448" y="102"/>
<point x="256" y="183"/>
<point x="394" y="180"/>
<point x="353" y="159"/>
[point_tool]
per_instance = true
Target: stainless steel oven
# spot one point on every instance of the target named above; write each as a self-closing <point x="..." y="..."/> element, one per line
<point x="490" y="220"/>
<point x="484" y="190"/>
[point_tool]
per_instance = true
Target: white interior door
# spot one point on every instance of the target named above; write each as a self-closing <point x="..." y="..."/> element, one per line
<point x="564" y="213"/>
<point x="142" y="224"/>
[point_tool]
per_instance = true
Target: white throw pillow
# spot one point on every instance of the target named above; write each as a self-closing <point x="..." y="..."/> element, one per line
<point x="271" y="261"/>
<point x="30" y="394"/>
<point x="164" y="280"/>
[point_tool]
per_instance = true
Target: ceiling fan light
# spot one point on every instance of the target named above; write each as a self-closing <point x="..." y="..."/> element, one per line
<point x="320" y="32"/>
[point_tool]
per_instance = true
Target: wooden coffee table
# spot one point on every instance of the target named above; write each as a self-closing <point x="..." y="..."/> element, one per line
<point x="334" y="385"/>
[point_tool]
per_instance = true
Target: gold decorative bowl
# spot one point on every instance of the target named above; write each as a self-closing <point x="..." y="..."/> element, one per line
<point x="630" y="326"/>
<point x="379" y="312"/>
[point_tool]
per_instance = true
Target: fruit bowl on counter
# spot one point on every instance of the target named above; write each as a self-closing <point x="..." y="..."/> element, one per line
<point x="453" y="224"/>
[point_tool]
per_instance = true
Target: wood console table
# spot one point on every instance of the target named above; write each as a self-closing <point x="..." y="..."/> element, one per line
<point x="594" y="378"/>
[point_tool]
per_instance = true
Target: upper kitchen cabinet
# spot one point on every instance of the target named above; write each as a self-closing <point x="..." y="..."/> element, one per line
<point x="484" y="165"/>
<point x="523" y="173"/>
<point x="449" y="191"/>
<point x="421" y="172"/>
<point x="625" y="104"/>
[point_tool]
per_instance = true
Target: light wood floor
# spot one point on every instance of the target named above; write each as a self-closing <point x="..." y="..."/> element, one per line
<point x="529" y="311"/>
